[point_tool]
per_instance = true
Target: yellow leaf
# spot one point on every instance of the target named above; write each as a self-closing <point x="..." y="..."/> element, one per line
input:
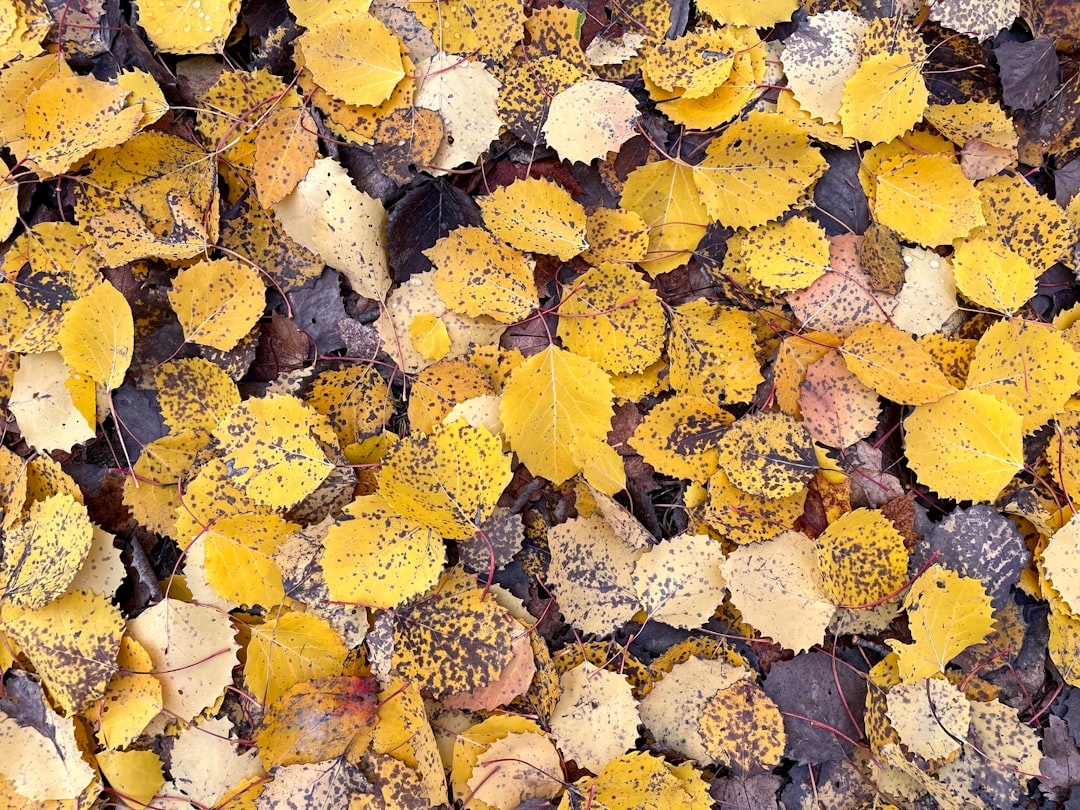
<point x="98" y="336"/>
<point x="192" y="651"/>
<point x="488" y="27"/>
<point x="68" y="118"/>
<point x="926" y="198"/>
<point x="755" y="170"/>
<point x="744" y="518"/>
<point x="786" y="256"/>
<point x="47" y="399"/>
<point x="752" y="13"/>
<point x="271" y="445"/>
<point x="637" y="780"/>
<point x="552" y="401"/>
<point x="679" y="435"/>
<point x="465" y="95"/>
<point x="1028" y="366"/>
<point x="237" y="553"/>
<point x="44" y="551"/>
<point x="429" y="336"/>
<point x="1029" y="223"/>
<point x="354" y="399"/>
<point x="820" y="57"/>
<point x="356" y="59"/>
<point x="403" y="732"/>
<point x="72" y="643"/>
<point x="1059" y="562"/>
<point x="286" y="146"/>
<point x="375" y="557"/>
<point x="589" y="120"/>
<point x="289" y="649"/>
<point x="692" y="65"/>
<point x="966" y="446"/>
<point x="478" y="275"/>
<point x="449" y="480"/>
<point x="348" y="706"/>
<point x="536" y="215"/>
<point x="312" y="13"/>
<point x="884" y="98"/>
<point x="891" y="363"/>
<point x="862" y="558"/>
<point x="931" y="716"/>
<point x="457" y="640"/>
<point x="743" y="729"/>
<point x="595" y="717"/>
<point x="516" y="768"/>
<point x="947" y="613"/>
<point x="711" y="351"/>
<point x="218" y="302"/>
<point x="614" y="318"/>
<point x="679" y="581"/>
<point x="663" y="194"/>
<point x="188" y="26"/>
<point x="768" y="454"/>
<point x="132" y="698"/>
<point x="135" y="775"/>
<point x="194" y="393"/>
<point x="991" y="275"/>
<point x="615" y="235"/>
<point x="776" y="585"/>
<point x="438" y="389"/>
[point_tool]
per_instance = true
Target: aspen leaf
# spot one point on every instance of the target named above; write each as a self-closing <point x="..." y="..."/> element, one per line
<point x="615" y="235"/>
<point x="743" y="728"/>
<point x="44" y="551"/>
<point x="991" y="275"/>
<point x="238" y="555"/>
<point x="551" y="402"/>
<point x="289" y="649"/>
<point x="454" y="641"/>
<point x="637" y="780"/>
<point x="931" y="716"/>
<point x="438" y="389"/>
<point x="767" y="454"/>
<point x="429" y="336"/>
<point x="347" y="706"/>
<point x="1029" y="223"/>
<point x="928" y="298"/>
<point x="925" y="198"/>
<point x="97" y="337"/>
<point x="188" y="26"/>
<point x="1059" y="560"/>
<point x="947" y="613"/>
<point x="218" y="302"/>
<point x="786" y="256"/>
<point x="679" y="581"/>
<point x="693" y="65"/>
<point x="516" y="768"/>
<point x="538" y="216"/>
<point x="46" y="397"/>
<point x="596" y="716"/>
<point x="777" y="587"/>
<point x="403" y="732"/>
<point x="678" y="436"/>
<point x="837" y="408"/>
<point x="205" y="764"/>
<point x="192" y="651"/>
<point x="285" y="149"/>
<point x="72" y="643"/>
<point x="751" y="14"/>
<point x="746" y="518"/>
<point x="884" y="98"/>
<point x="472" y="741"/>
<point x="1028" y="366"/>
<point x="982" y="20"/>
<point x="134" y="774"/>
<point x="967" y="445"/>
<point x="591" y="573"/>
<point x="354" y="58"/>
<point x="862" y="558"/>
<point x="820" y="57"/>
<point x="794" y="357"/>
<point x="477" y="274"/>
<point x="756" y="170"/>
<point x="194" y="393"/>
<point x="449" y="480"/>
<point x="132" y="697"/>
<point x="663" y="194"/>
<point x="67" y="118"/>
<point x="891" y="363"/>
<point x="376" y="557"/>
<point x="465" y="95"/>
<point x="465" y="26"/>
<point x="589" y="120"/>
<point x="712" y="352"/>
<point x="271" y="445"/>
<point x="613" y="318"/>
<point x="42" y="757"/>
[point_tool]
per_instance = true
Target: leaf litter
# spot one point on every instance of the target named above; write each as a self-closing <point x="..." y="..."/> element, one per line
<point x="519" y="423"/>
